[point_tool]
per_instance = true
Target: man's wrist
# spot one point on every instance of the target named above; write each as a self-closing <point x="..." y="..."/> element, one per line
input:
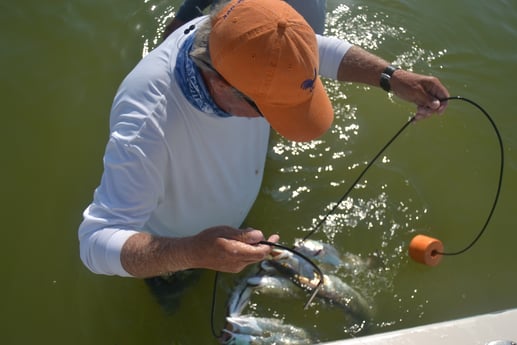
<point x="385" y="79"/>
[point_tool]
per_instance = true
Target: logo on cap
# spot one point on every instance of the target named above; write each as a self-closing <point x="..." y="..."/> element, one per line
<point x="230" y="10"/>
<point x="309" y="83"/>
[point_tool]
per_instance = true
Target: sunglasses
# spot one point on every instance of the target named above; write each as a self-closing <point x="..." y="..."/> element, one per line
<point x="202" y="64"/>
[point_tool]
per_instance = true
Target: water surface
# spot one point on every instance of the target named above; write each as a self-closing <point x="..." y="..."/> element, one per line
<point x="62" y="62"/>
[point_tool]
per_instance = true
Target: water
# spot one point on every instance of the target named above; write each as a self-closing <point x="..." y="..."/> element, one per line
<point x="61" y="64"/>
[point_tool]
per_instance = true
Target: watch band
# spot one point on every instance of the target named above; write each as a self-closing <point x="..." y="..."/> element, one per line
<point x="386" y="77"/>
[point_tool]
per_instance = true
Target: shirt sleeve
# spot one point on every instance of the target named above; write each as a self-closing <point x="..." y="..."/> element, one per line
<point x="130" y="189"/>
<point x="331" y="51"/>
<point x="135" y="163"/>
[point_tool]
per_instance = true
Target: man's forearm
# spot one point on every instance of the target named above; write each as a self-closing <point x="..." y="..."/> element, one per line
<point x="424" y="91"/>
<point x="220" y="248"/>
<point x="144" y="255"/>
<point x="360" y="66"/>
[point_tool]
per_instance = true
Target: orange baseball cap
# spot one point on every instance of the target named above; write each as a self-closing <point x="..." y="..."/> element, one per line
<point x="265" y="49"/>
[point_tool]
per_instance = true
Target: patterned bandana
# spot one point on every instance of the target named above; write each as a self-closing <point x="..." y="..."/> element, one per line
<point x="192" y="84"/>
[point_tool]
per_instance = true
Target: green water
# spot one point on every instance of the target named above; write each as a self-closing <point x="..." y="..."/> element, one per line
<point x="61" y="63"/>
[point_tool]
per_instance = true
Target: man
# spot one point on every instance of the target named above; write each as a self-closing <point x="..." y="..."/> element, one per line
<point x="189" y="135"/>
<point x="314" y="12"/>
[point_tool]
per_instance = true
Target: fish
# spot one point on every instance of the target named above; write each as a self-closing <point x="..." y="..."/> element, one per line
<point x="252" y="330"/>
<point x="274" y="286"/>
<point x="289" y="274"/>
<point x="263" y="326"/>
<point x="331" y="260"/>
<point x="338" y="293"/>
<point x="272" y="339"/>
<point x="270" y="285"/>
<point x="322" y="252"/>
<point x="333" y="290"/>
<point x="239" y="298"/>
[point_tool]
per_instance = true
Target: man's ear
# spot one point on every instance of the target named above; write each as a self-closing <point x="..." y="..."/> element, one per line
<point x="218" y="84"/>
<point x="213" y="81"/>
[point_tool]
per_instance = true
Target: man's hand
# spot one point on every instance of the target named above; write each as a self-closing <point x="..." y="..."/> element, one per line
<point x="227" y="249"/>
<point x="361" y="66"/>
<point x="221" y="248"/>
<point x="424" y="91"/>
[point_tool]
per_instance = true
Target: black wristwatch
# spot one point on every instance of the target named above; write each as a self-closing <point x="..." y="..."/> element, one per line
<point x="386" y="77"/>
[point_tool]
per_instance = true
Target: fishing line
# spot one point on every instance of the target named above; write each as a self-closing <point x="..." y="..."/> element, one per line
<point x="411" y="120"/>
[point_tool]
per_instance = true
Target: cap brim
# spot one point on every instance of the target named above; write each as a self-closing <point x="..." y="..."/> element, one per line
<point x="302" y="122"/>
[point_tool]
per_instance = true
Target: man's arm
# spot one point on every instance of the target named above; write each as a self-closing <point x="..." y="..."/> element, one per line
<point x="361" y="66"/>
<point x="219" y="248"/>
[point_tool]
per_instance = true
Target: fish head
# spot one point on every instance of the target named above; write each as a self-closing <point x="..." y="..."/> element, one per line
<point x="231" y="338"/>
<point x="322" y="252"/>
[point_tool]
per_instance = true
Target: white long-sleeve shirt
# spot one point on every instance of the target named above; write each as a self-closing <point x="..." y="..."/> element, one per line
<point x="171" y="169"/>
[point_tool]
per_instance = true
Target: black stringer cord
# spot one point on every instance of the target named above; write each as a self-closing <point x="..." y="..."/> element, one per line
<point x="501" y="169"/>
<point x="352" y="186"/>
<point x="412" y="119"/>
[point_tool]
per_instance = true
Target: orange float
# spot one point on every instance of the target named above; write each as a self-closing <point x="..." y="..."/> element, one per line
<point x="426" y="250"/>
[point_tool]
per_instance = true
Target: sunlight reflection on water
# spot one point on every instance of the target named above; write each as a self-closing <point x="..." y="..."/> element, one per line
<point x="164" y="12"/>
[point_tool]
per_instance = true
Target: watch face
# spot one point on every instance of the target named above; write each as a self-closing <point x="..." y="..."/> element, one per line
<point x="386" y="76"/>
<point x="385" y="82"/>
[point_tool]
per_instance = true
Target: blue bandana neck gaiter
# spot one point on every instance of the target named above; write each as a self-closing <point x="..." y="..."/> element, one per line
<point x="191" y="82"/>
